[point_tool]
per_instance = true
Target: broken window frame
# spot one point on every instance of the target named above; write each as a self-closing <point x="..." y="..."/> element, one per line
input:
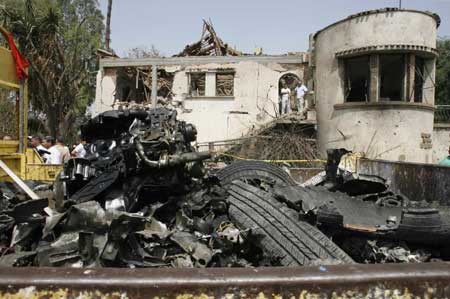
<point x="347" y="81"/>
<point x="419" y="79"/>
<point x="224" y="73"/>
<point x="383" y="95"/>
<point x="190" y="82"/>
<point x="414" y="76"/>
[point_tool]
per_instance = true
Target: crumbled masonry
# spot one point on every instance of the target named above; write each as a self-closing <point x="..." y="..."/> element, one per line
<point x="142" y="198"/>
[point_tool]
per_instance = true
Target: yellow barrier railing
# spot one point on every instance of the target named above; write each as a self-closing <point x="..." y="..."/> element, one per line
<point x="270" y="161"/>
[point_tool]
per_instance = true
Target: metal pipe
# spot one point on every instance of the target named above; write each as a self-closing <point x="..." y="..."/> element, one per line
<point x="141" y="153"/>
<point x="171" y="160"/>
<point x="22" y="116"/>
<point x="427" y="280"/>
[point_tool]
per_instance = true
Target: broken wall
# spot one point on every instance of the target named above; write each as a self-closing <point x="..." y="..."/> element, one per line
<point x="254" y="99"/>
<point x="105" y="91"/>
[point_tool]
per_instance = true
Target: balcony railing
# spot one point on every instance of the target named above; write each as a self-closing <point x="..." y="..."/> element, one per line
<point x="442" y="114"/>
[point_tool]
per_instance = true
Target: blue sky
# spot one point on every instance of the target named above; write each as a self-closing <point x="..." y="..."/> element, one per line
<point x="276" y="26"/>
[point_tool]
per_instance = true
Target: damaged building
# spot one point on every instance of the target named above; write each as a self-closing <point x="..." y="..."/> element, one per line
<point x="374" y="79"/>
<point x="144" y="196"/>
<point x="223" y="92"/>
<point x="370" y="76"/>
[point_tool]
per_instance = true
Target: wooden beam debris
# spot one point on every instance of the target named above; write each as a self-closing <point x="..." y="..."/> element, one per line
<point x="209" y="45"/>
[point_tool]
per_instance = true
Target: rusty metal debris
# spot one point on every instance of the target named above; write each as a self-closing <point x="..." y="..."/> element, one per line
<point x="343" y="281"/>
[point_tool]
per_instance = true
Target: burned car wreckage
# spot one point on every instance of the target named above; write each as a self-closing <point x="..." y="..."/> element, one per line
<point x="143" y="198"/>
<point x="127" y="146"/>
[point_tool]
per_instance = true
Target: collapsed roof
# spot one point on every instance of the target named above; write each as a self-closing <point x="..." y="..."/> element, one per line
<point x="209" y="45"/>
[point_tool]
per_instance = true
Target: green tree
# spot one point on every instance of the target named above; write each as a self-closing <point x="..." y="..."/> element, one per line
<point x="443" y="72"/>
<point x="59" y="38"/>
<point x="143" y="52"/>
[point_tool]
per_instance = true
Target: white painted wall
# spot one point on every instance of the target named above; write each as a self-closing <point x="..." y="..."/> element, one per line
<point x="255" y="100"/>
<point x="391" y="134"/>
<point x="441" y="141"/>
<point x="398" y="131"/>
<point x="105" y="91"/>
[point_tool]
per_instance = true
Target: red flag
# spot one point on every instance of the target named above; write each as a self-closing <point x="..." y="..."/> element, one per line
<point x="21" y="62"/>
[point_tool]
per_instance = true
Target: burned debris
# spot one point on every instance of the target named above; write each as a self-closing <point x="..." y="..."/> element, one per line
<point x="136" y="87"/>
<point x="134" y="84"/>
<point x="143" y="198"/>
<point x="140" y="198"/>
<point x="209" y="44"/>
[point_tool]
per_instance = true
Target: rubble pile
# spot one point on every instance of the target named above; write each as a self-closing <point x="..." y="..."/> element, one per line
<point x="278" y="144"/>
<point x="139" y="199"/>
<point x="143" y="77"/>
<point x="209" y="45"/>
<point x="142" y="198"/>
<point x="224" y="84"/>
<point x="193" y="231"/>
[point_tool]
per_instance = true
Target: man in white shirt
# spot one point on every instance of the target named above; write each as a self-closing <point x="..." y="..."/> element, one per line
<point x="79" y="151"/>
<point x="301" y="91"/>
<point x="285" y="101"/>
<point x="55" y="156"/>
<point x="36" y="142"/>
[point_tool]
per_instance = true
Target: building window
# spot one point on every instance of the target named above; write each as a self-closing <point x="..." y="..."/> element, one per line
<point x="392" y="77"/>
<point x="357" y="78"/>
<point x="197" y="84"/>
<point x="385" y="77"/>
<point x="419" y="79"/>
<point x="225" y="84"/>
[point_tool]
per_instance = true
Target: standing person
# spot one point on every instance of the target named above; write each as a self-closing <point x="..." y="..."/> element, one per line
<point x="36" y="142"/>
<point x="63" y="149"/>
<point x="446" y="160"/>
<point x="285" y="101"/>
<point x="79" y="151"/>
<point x="54" y="156"/>
<point x="301" y="91"/>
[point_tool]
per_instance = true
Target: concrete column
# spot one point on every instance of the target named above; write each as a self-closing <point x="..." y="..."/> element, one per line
<point x="154" y="85"/>
<point x="374" y="68"/>
<point x="106" y="90"/>
<point x="410" y="76"/>
<point x="428" y="84"/>
<point x="210" y="84"/>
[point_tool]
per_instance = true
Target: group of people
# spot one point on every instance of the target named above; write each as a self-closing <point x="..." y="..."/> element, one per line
<point x="300" y="91"/>
<point x="54" y="151"/>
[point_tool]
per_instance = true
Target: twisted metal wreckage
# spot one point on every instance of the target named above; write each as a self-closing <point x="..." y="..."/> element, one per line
<point x="143" y="198"/>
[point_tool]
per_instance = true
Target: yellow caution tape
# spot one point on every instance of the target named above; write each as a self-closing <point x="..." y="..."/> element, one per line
<point x="270" y="161"/>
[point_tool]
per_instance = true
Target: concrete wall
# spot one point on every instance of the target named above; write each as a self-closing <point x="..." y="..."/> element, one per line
<point x="416" y="181"/>
<point x="389" y="131"/>
<point x="255" y="99"/>
<point x="441" y="141"/>
<point x="105" y="91"/>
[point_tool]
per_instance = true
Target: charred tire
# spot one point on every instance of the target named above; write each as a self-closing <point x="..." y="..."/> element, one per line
<point x="254" y="170"/>
<point x="279" y="232"/>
